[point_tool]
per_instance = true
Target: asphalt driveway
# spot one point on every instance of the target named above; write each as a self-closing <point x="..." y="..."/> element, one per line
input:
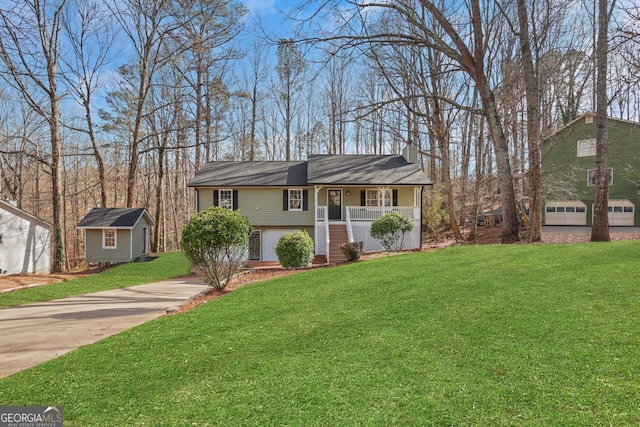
<point x="35" y="333"/>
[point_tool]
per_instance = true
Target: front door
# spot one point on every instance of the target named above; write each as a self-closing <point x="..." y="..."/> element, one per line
<point x="335" y="204"/>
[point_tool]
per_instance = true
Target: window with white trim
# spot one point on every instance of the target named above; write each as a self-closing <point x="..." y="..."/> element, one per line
<point x="586" y="147"/>
<point x="109" y="239"/>
<point x="295" y="199"/>
<point x="591" y="177"/>
<point x="225" y="199"/>
<point x="374" y="197"/>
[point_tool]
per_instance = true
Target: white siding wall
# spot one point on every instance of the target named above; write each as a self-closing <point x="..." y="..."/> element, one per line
<point x="25" y="247"/>
<point x="361" y="233"/>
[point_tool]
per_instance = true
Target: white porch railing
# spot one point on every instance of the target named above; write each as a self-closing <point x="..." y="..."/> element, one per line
<point x="321" y="212"/>
<point x="370" y="213"/>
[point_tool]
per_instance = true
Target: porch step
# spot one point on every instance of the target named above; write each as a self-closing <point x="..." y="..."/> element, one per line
<point x="337" y="234"/>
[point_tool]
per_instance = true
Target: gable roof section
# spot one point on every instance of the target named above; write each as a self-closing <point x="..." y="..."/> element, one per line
<point x="582" y="118"/>
<point x="251" y="174"/>
<point x="17" y="211"/>
<point x="317" y="170"/>
<point x="364" y="170"/>
<point x="113" y="218"/>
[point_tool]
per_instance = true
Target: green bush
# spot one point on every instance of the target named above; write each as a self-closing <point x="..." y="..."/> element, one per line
<point x="391" y="229"/>
<point x="295" y="249"/>
<point x="352" y="250"/>
<point x="215" y="241"/>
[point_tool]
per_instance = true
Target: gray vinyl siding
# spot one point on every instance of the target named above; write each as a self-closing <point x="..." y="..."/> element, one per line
<point x="138" y="246"/>
<point x="95" y="252"/>
<point x="263" y="206"/>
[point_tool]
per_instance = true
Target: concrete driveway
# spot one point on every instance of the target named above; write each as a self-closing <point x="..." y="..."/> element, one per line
<point x="34" y="333"/>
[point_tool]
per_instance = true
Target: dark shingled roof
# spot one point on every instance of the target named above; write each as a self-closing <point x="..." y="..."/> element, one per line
<point x="319" y="169"/>
<point x="112" y="218"/>
<point x="251" y="174"/>
<point x="364" y="170"/>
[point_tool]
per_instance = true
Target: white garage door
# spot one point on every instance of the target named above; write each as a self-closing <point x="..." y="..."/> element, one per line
<point x="269" y="241"/>
<point x="621" y="213"/>
<point x="565" y="212"/>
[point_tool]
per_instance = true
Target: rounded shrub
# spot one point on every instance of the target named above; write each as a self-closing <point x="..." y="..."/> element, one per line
<point x="391" y="229"/>
<point x="215" y="241"/>
<point x="295" y="249"/>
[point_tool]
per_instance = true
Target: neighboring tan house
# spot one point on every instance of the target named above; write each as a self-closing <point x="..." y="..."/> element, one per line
<point x="115" y="234"/>
<point x="569" y="165"/>
<point x="25" y="242"/>
<point x="334" y="197"/>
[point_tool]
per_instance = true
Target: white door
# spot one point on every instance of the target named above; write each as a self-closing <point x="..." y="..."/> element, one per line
<point x="269" y="241"/>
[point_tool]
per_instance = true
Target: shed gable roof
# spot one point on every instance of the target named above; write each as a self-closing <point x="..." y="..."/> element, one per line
<point x="113" y="218"/>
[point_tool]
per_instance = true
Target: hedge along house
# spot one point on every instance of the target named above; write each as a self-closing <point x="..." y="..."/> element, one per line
<point x="333" y="197"/>
<point x="25" y="241"/>
<point x="116" y="234"/>
<point x="569" y="164"/>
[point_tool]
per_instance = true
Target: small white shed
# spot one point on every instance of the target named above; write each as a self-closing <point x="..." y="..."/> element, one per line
<point x="25" y="241"/>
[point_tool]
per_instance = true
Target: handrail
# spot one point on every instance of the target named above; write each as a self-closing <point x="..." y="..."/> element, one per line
<point x="349" y="229"/>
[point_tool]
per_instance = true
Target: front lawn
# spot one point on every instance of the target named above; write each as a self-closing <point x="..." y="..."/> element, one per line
<point x="166" y="266"/>
<point x="479" y="335"/>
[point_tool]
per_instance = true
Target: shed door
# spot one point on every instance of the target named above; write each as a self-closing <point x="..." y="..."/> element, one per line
<point x="145" y="240"/>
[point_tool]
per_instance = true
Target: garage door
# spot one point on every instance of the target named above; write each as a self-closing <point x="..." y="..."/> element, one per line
<point x="269" y="241"/>
<point x="565" y="212"/>
<point x="621" y="213"/>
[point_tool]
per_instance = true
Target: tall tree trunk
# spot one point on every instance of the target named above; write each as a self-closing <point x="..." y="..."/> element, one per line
<point x="600" y="229"/>
<point x="534" y="233"/>
<point x="59" y="253"/>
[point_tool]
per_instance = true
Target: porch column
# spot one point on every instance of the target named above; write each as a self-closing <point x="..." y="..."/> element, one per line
<point x="315" y="215"/>
<point x="384" y="198"/>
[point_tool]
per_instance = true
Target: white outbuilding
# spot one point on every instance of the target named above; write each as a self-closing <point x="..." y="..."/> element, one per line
<point x="25" y="241"/>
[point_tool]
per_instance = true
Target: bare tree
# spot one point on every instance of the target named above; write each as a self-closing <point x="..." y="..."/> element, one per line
<point x="148" y="24"/>
<point x="290" y="69"/>
<point x="466" y="42"/>
<point x="91" y="37"/>
<point x="30" y="49"/>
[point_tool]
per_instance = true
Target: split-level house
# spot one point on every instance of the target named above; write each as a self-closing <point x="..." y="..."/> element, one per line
<point x="334" y="198"/>
<point x="569" y="167"/>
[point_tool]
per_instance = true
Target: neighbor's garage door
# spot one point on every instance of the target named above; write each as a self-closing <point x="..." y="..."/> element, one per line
<point x="565" y="212"/>
<point x="621" y="212"/>
<point x="269" y="241"/>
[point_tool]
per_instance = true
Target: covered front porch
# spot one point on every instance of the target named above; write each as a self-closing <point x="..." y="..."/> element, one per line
<point x="345" y="214"/>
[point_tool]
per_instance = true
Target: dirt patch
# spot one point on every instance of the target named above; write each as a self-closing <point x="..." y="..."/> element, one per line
<point x="18" y="281"/>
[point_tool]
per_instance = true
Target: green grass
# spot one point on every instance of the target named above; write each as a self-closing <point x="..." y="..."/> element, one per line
<point x="482" y="335"/>
<point x="166" y="266"/>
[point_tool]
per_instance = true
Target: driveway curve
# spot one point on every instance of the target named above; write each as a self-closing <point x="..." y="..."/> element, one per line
<point x="35" y="333"/>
